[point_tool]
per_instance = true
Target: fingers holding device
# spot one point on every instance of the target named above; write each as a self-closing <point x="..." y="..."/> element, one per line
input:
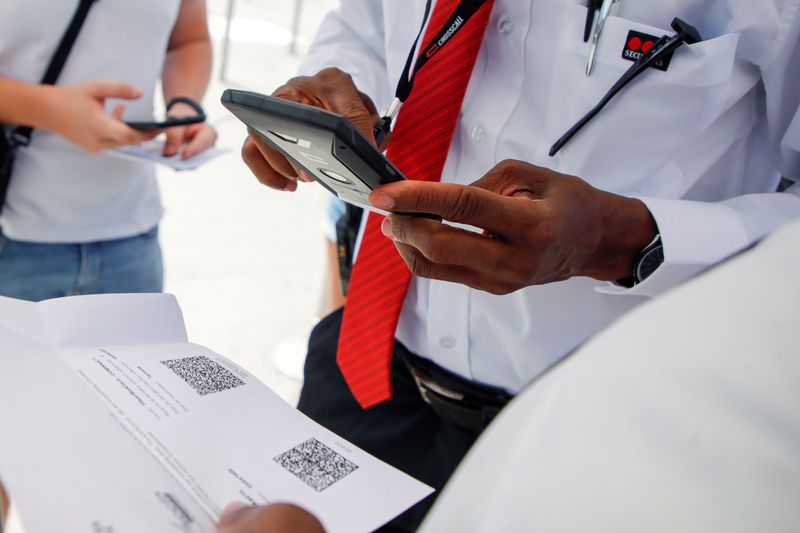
<point x="77" y="113"/>
<point x="185" y="127"/>
<point x="289" y="140"/>
<point x="331" y="90"/>
<point x="540" y="227"/>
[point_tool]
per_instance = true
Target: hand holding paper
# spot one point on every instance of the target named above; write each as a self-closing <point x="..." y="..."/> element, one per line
<point x="275" y="518"/>
<point x="143" y="417"/>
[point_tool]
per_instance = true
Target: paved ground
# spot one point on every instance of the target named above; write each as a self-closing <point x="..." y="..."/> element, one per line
<point x="245" y="262"/>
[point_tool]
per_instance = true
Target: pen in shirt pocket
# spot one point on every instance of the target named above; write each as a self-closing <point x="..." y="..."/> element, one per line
<point x="599" y="21"/>
<point x="685" y="33"/>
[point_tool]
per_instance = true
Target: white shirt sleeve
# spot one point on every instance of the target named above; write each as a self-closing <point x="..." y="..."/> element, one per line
<point x="351" y="38"/>
<point x="698" y="234"/>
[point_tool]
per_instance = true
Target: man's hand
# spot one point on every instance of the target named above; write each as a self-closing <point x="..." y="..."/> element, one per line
<point x="189" y="140"/>
<point x="275" y="518"/>
<point x="77" y="113"/>
<point x="330" y="89"/>
<point x="539" y="227"/>
<point x="4" y="506"/>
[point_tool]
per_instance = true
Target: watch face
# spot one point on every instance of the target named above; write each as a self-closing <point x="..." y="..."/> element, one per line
<point x="649" y="262"/>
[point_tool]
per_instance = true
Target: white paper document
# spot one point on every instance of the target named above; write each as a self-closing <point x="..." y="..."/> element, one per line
<point x="153" y="151"/>
<point x="113" y="422"/>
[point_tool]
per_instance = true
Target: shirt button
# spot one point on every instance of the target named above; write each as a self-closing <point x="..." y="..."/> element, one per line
<point x="505" y="26"/>
<point x="447" y="342"/>
<point x="477" y="133"/>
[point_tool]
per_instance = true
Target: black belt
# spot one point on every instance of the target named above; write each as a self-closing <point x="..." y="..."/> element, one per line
<point x="466" y="403"/>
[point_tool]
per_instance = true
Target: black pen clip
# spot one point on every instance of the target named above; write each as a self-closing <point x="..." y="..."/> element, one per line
<point x="591" y="12"/>
<point x="685" y="33"/>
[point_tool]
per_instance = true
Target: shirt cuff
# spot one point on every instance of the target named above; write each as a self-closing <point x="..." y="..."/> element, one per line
<point x="695" y="235"/>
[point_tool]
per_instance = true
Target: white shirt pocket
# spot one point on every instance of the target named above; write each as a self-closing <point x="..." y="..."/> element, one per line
<point x="646" y="125"/>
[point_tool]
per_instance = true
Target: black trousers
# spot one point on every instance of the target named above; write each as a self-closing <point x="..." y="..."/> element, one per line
<point x="403" y="431"/>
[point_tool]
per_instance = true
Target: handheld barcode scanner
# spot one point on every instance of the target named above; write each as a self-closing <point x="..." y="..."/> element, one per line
<point x="325" y="145"/>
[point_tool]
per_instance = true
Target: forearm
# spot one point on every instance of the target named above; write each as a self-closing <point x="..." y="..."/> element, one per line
<point x="187" y="70"/>
<point x="26" y="104"/>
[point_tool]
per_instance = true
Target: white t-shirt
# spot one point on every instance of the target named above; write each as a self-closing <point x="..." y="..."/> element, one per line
<point x="58" y="192"/>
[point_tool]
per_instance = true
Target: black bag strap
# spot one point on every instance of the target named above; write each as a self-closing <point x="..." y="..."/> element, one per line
<point x="21" y="135"/>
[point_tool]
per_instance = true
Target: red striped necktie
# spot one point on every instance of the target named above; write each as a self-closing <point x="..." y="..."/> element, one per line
<point x="421" y="140"/>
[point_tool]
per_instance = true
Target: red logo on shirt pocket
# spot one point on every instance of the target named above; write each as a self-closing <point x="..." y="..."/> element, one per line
<point x="637" y="44"/>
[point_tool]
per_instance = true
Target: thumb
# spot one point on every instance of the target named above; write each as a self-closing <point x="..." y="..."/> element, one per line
<point x="114" y="89"/>
<point x="232" y="513"/>
<point x="273" y="518"/>
<point x="457" y="203"/>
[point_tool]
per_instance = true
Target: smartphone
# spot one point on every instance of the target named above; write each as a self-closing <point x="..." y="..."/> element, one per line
<point x="170" y="122"/>
<point x="326" y="145"/>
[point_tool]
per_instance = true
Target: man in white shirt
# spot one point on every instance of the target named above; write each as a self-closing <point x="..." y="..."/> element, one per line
<point x="682" y="429"/>
<point x="693" y="155"/>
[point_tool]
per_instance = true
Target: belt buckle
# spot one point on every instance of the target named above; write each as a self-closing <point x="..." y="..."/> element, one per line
<point x="425" y="384"/>
<point x="18" y="139"/>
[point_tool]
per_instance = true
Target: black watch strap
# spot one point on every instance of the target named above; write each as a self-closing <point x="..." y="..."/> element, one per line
<point x="649" y="260"/>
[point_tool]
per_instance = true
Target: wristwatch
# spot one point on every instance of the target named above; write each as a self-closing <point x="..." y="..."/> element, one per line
<point x="649" y="260"/>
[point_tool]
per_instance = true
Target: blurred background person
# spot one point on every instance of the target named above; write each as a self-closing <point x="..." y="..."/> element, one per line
<point x="77" y="219"/>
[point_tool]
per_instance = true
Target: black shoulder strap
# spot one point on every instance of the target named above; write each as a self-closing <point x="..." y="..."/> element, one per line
<point x="21" y="135"/>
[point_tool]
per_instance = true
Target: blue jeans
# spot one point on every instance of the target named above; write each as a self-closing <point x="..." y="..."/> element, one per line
<point x="39" y="271"/>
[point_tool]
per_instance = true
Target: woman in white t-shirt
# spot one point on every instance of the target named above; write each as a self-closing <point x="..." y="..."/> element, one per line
<point x="76" y="218"/>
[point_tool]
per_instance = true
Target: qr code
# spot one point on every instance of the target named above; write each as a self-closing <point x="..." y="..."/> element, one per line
<point x="203" y="375"/>
<point x="315" y="464"/>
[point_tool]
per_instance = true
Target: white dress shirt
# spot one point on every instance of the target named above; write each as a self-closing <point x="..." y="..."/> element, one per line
<point x="59" y="192"/>
<point x="688" y="429"/>
<point x="703" y="145"/>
